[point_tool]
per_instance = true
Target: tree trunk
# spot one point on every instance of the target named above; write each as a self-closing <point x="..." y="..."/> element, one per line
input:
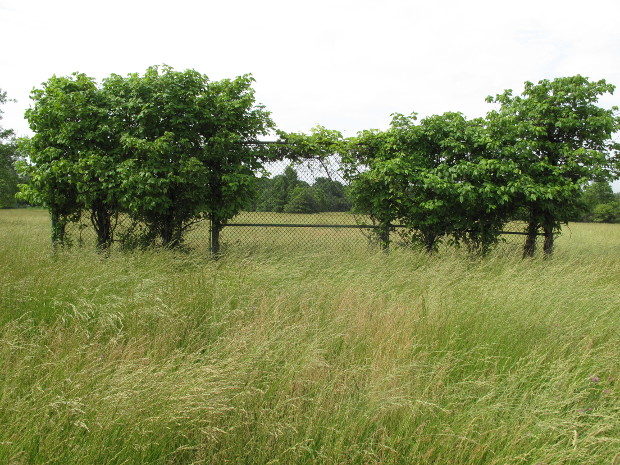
<point x="101" y="219"/>
<point x="170" y="230"/>
<point x="430" y="244"/>
<point x="384" y="237"/>
<point x="548" y="245"/>
<point x="165" y="232"/>
<point x="216" y="227"/>
<point x="171" y="234"/>
<point x="530" y="240"/>
<point x="429" y="238"/>
<point x="58" y="230"/>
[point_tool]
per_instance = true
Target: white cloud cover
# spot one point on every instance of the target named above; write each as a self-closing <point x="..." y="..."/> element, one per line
<point x="341" y="63"/>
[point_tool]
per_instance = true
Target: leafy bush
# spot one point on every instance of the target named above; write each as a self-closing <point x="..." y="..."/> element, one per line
<point x="167" y="147"/>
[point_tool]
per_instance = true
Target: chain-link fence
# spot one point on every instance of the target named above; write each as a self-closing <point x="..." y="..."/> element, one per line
<point x="297" y="204"/>
<point x="303" y="204"/>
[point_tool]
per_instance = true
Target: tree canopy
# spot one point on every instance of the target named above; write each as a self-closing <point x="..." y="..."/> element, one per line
<point x="446" y="177"/>
<point x="166" y="147"/>
<point x="560" y="139"/>
<point x="435" y="178"/>
<point x="72" y="153"/>
<point x="600" y="204"/>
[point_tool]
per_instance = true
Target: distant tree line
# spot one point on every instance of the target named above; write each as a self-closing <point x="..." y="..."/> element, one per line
<point x="599" y="204"/>
<point x="286" y="193"/>
<point x="9" y="156"/>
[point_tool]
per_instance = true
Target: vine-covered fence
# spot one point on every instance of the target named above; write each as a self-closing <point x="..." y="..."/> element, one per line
<point x="152" y="157"/>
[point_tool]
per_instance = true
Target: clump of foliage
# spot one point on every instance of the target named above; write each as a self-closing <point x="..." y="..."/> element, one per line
<point x="448" y="178"/>
<point x="167" y="148"/>
<point x="74" y="154"/>
<point x="171" y="148"/>
<point x="436" y="178"/>
<point x="286" y="193"/>
<point x="559" y="139"/>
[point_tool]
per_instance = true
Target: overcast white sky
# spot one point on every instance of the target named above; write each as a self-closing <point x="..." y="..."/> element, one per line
<point x="344" y="64"/>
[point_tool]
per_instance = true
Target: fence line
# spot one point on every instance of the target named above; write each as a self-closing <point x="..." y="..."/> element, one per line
<point x="300" y="200"/>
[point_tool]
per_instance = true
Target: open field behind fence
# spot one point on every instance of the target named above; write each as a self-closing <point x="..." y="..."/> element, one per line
<point x="306" y="356"/>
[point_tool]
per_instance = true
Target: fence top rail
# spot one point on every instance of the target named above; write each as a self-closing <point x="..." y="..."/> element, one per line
<point x="305" y="225"/>
<point x="357" y="226"/>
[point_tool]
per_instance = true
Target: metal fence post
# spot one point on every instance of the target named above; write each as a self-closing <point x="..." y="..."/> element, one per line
<point x="384" y="237"/>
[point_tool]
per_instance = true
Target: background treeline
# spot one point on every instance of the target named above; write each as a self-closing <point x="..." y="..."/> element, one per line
<point x="599" y="204"/>
<point x="286" y="193"/>
<point x="10" y="179"/>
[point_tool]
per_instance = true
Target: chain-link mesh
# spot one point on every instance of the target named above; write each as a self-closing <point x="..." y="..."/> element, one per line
<point x="297" y="205"/>
<point x="303" y="204"/>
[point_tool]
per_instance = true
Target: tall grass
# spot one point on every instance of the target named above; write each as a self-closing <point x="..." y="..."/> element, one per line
<point x="308" y="356"/>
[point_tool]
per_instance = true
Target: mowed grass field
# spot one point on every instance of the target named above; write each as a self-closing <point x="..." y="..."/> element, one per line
<point x="303" y="355"/>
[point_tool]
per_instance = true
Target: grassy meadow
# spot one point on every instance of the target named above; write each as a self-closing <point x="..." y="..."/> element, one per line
<point x="304" y="355"/>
